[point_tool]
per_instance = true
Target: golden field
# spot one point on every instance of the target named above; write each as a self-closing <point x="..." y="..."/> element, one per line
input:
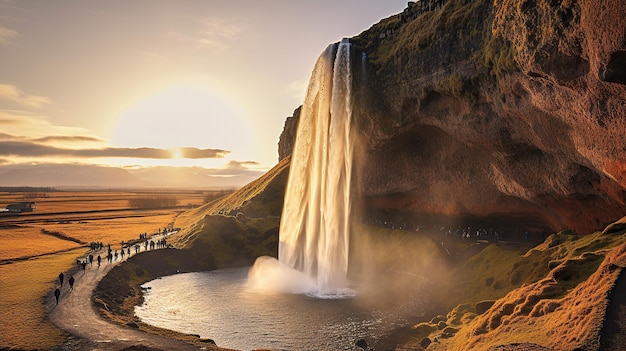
<point x="31" y="258"/>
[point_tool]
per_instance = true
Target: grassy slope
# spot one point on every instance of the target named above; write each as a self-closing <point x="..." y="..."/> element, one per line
<point x="555" y="295"/>
<point x="239" y="227"/>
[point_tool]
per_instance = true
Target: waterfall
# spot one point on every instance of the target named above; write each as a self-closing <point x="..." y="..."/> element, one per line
<point x="315" y="223"/>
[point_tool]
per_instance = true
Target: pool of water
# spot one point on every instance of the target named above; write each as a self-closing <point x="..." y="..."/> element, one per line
<point x="219" y="305"/>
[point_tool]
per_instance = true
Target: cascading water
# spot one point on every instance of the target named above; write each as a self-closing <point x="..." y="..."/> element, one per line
<point x="315" y="223"/>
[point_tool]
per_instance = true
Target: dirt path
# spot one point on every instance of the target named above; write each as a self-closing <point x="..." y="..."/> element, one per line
<point x="76" y="315"/>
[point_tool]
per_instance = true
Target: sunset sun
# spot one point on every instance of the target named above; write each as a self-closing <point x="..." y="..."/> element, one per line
<point x="185" y="116"/>
<point x="177" y="153"/>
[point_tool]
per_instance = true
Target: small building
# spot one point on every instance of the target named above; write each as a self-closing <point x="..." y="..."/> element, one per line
<point x="20" y="207"/>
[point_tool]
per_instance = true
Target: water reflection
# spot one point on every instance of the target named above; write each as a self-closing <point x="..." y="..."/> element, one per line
<point x="218" y="305"/>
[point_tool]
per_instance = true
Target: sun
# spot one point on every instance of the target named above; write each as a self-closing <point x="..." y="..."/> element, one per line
<point x="177" y="153"/>
<point x="186" y="116"/>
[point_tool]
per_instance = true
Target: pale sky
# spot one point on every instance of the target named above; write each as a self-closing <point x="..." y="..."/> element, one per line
<point x="124" y="82"/>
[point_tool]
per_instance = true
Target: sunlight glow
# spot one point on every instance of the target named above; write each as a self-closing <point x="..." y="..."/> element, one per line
<point x="177" y="153"/>
<point x="186" y="115"/>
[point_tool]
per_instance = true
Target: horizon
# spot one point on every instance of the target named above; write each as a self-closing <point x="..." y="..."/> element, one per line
<point x="195" y="86"/>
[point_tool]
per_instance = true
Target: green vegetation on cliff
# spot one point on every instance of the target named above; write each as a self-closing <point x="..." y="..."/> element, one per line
<point x="409" y="48"/>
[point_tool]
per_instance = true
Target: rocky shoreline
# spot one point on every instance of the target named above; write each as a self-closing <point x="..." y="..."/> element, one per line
<point x="117" y="294"/>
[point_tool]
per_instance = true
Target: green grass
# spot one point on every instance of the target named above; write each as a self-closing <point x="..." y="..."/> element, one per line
<point x="225" y="241"/>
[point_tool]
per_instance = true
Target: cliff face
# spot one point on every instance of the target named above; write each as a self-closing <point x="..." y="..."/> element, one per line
<point x="505" y="108"/>
<point x="512" y="108"/>
<point x="288" y="135"/>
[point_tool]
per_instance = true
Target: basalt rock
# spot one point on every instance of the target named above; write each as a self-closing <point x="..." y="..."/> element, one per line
<point x="512" y="109"/>
<point x="288" y="135"/>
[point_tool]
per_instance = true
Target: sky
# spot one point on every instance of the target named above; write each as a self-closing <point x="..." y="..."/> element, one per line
<point x="134" y="84"/>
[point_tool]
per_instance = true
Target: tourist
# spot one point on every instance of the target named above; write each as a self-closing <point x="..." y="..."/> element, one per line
<point x="61" y="276"/>
<point x="71" y="281"/>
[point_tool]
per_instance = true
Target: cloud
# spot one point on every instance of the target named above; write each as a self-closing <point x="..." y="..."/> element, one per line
<point x="21" y="122"/>
<point x="213" y="33"/>
<point x="7" y="136"/>
<point x="192" y="152"/>
<point x="49" y="139"/>
<point x="12" y="93"/>
<point x="67" y="138"/>
<point x="241" y="164"/>
<point x="30" y="149"/>
<point x="6" y="35"/>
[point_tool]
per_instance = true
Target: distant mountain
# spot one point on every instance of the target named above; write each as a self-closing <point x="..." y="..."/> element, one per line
<point x="56" y="175"/>
<point x="196" y="177"/>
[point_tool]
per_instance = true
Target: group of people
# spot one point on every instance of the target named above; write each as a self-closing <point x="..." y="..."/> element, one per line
<point x="463" y="231"/>
<point x="112" y="255"/>
<point x="70" y="282"/>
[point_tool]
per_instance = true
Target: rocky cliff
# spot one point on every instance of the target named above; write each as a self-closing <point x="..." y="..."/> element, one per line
<point x="503" y="108"/>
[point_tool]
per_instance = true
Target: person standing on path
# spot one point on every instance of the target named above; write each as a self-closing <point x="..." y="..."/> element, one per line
<point x="57" y="294"/>
<point x="71" y="281"/>
<point x="61" y="276"/>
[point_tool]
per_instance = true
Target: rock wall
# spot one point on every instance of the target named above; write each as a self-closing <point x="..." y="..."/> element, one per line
<point x="288" y="135"/>
<point x="503" y="108"/>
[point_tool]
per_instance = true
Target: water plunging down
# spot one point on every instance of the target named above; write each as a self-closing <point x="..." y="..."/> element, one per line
<point x="315" y="222"/>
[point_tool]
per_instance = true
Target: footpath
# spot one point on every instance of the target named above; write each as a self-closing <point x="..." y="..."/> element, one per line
<point x="76" y="315"/>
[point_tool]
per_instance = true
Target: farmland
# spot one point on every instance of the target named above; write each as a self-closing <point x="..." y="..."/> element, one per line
<point x="36" y="246"/>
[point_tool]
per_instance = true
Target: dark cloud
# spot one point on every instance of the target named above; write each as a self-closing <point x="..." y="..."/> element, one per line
<point x="192" y="152"/>
<point x="67" y="138"/>
<point x="29" y="149"/>
<point x="6" y="136"/>
<point x="141" y="152"/>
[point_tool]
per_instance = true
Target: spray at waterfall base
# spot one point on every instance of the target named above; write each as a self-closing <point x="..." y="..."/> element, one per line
<point x="315" y="222"/>
<point x="319" y="236"/>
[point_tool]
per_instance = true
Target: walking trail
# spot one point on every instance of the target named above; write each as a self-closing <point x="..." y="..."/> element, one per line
<point x="89" y="331"/>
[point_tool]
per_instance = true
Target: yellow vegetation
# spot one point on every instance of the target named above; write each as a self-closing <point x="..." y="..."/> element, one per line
<point x="559" y="301"/>
<point x="30" y="260"/>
